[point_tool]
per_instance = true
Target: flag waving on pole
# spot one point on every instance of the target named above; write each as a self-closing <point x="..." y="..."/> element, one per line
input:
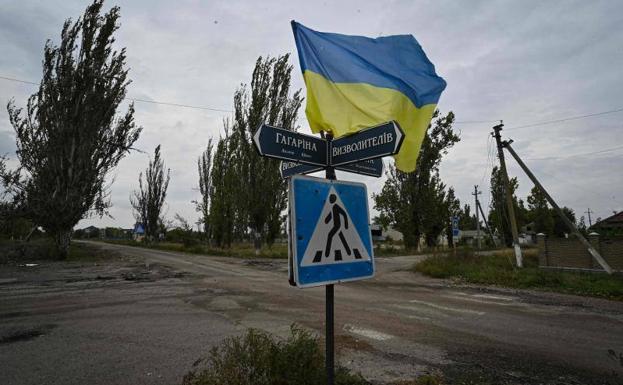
<point x="354" y="82"/>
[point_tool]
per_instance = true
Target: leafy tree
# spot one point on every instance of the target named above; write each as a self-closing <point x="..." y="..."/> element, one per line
<point x="69" y="137"/>
<point x="539" y="212"/>
<point x="560" y="228"/>
<point x="247" y="191"/>
<point x="267" y="101"/>
<point x="415" y="203"/>
<point x="148" y="200"/>
<point x="498" y="213"/>
<point x="224" y="193"/>
<point x="204" y="166"/>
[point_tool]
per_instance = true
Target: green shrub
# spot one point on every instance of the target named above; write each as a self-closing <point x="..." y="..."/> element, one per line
<point x="257" y="358"/>
<point x="499" y="269"/>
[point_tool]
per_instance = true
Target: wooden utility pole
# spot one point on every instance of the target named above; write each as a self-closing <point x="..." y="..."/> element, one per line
<point x="475" y="194"/>
<point x="484" y="219"/>
<point x="589" y="212"/>
<point x="509" y="195"/>
<point x="571" y="225"/>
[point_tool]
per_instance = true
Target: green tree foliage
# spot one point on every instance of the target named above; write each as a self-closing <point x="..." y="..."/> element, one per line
<point x="498" y="212"/>
<point x="224" y="192"/>
<point x="204" y="166"/>
<point x="69" y="137"/>
<point x="539" y="212"/>
<point x="148" y="200"/>
<point x="248" y="194"/>
<point x="467" y="219"/>
<point x="415" y="203"/>
<point x="560" y="228"/>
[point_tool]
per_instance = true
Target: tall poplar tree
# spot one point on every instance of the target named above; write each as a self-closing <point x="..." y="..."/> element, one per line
<point x="415" y="203"/>
<point x="149" y="199"/>
<point x="69" y="137"/>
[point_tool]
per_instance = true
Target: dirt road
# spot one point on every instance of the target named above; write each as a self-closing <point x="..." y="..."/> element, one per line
<point x="145" y="321"/>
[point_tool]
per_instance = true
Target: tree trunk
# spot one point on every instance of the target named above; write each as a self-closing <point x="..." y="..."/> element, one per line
<point x="257" y="242"/>
<point x="61" y="241"/>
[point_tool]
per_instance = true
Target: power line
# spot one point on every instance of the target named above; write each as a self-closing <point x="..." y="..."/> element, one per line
<point x="566" y="119"/>
<point x="476" y="121"/>
<point x="137" y="99"/>
<point x="576" y="155"/>
<point x="179" y="105"/>
<point x="458" y="122"/>
<point x="18" y="80"/>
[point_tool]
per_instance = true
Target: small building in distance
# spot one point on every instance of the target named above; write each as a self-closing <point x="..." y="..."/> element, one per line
<point x="138" y="233"/>
<point x="613" y="225"/>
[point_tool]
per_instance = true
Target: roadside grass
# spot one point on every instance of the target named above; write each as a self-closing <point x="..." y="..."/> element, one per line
<point x="238" y="250"/>
<point x="259" y="358"/>
<point x="42" y="249"/>
<point x="498" y="269"/>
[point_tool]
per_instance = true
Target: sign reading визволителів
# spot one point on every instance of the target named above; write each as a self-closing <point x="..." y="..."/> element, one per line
<point x="374" y="142"/>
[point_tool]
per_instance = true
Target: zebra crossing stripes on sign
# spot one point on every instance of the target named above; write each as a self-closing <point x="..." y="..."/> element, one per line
<point x="330" y="232"/>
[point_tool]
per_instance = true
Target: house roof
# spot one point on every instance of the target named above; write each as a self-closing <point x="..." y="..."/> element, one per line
<point x="615" y="220"/>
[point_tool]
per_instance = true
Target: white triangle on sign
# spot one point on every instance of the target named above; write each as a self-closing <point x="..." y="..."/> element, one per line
<point x="345" y="244"/>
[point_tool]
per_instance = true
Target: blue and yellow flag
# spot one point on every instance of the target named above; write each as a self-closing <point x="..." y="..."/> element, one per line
<point x="354" y="82"/>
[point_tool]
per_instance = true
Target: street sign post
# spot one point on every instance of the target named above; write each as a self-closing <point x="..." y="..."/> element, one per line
<point x="278" y="143"/>
<point x="328" y="223"/>
<point x="371" y="143"/>
<point x="330" y="232"/>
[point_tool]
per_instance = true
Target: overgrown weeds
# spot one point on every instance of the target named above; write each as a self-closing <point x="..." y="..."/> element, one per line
<point x="258" y="358"/>
<point x="499" y="269"/>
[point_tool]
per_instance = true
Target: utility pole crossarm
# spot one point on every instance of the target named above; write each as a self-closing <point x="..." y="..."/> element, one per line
<point x="602" y="262"/>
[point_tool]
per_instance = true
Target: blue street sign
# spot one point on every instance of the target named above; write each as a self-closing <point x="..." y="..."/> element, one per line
<point x="330" y="239"/>
<point x="455" y="227"/>
<point x="373" y="142"/>
<point x="370" y="167"/>
<point x="278" y="143"/>
<point x="292" y="168"/>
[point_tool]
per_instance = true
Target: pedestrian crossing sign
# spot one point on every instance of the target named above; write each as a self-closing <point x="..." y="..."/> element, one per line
<point x="330" y="239"/>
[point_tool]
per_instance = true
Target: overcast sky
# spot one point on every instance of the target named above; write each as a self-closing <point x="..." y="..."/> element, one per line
<point x="521" y="61"/>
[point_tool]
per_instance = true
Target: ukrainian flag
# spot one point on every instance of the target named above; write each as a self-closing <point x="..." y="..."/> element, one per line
<point x="354" y="82"/>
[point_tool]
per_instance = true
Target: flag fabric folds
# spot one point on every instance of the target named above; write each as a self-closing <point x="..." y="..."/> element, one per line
<point x="354" y="82"/>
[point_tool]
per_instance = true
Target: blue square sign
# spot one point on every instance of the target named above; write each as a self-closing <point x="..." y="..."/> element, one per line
<point x="330" y="240"/>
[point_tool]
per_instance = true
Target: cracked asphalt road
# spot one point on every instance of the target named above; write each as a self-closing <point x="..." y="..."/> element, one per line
<point x="146" y="318"/>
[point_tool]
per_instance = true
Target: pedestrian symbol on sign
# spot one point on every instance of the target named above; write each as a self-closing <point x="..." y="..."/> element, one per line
<point x="335" y="213"/>
<point x="334" y="239"/>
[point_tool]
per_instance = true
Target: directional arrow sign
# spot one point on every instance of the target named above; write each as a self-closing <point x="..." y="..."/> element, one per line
<point x="278" y="143"/>
<point x="374" y="142"/>
<point x="292" y="168"/>
<point x="371" y="167"/>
